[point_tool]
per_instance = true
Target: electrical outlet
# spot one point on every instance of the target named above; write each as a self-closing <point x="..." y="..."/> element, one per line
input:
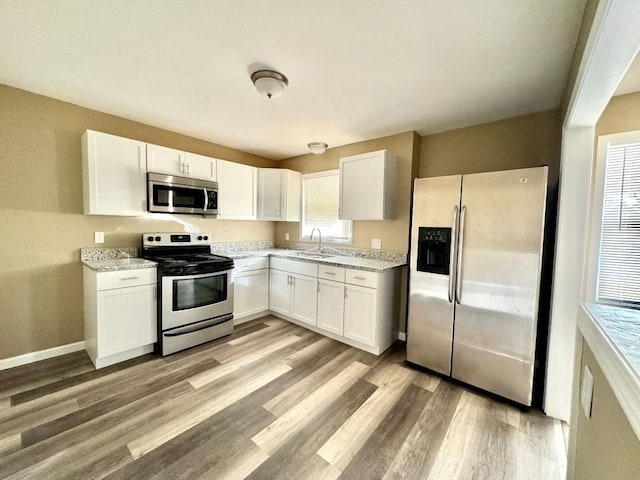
<point x="286" y="236"/>
<point x="98" y="237"/>
<point x="376" y="243"/>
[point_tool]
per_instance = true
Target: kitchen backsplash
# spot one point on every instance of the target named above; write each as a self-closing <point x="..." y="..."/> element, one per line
<point x="105" y="253"/>
<point x="387" y="255"/>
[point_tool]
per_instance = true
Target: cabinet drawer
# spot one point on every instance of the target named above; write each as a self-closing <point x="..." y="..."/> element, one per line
<point x="329" y="272"/>
<point x="362" y="278"/>
<point x="126" y="278"/>
<point x="295" y="266"/>
<point x="247" y="264"/>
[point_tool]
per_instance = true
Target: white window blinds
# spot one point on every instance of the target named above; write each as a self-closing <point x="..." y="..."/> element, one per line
<point x="619" y="260"/>
<point x="320" y="207"/>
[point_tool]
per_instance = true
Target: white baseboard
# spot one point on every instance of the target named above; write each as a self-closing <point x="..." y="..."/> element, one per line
<point x="40" y="355"/>
<point x="402" y="336"/>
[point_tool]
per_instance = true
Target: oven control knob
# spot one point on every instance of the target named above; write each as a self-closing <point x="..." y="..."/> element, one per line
<point x="157" y="239"/>
<point x="206" y="237"/>
<point x="199" y="237"/>
<point x="150" y="239"/>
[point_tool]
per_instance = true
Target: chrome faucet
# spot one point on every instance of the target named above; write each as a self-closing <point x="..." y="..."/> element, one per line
<point x="319" y="238"/>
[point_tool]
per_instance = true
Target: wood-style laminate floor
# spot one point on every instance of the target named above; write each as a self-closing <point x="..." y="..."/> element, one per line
<point x="272" y="401"/>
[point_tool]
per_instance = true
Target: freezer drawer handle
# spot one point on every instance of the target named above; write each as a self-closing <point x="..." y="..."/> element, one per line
<point x="453" y="253"/>
<point x="463" y="214"/>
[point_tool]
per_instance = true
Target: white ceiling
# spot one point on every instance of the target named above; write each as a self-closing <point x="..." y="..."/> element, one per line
<point x="358" y="69"/>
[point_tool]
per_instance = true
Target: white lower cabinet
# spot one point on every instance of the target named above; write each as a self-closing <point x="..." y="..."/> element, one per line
<point x="360" y="314"/>
<point x="294" y="289"/>
<point x="331" y="306"/>
<point x="250" y="288"/>
<point x="119" y="314"/>
<point x="304" y="298"/>
<point x="279" y="292"/>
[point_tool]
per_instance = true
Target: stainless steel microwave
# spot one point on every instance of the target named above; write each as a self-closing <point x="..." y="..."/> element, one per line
<point x="171" y="194"/>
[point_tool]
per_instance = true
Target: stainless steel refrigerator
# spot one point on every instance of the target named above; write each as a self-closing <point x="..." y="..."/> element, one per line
<point x="476" y="256"/>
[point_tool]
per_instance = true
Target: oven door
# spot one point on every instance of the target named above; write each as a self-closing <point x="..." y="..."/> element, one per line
<point x="193" y="298"/>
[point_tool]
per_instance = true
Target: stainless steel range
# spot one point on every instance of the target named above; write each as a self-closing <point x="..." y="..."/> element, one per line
<point x="195" y="290"/>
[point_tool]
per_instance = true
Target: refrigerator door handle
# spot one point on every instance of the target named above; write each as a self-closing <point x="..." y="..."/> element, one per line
<point x="460" y="250"/>
<point x="453" y="252"/>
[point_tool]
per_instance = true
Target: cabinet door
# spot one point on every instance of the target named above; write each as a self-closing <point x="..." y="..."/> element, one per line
<point x="304" y="302"/>
<point x="126" y="319"/>
<point x="114" y="175"/>
<point x="200" y="166"/>
<point x="236" y="191"/>
<point x="331" y="306"/>
<point x="166" y="160"/>
<point x="271" y="191"/>
<point x="279" y="291"/>
<point x="360" y="314"/>
<point x="367" y="182"/>
<point x="250" y="293"/>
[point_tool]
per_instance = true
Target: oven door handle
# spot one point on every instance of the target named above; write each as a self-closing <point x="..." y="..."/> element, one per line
<point x="176" y="332"/>
<point x="194" y="277"/>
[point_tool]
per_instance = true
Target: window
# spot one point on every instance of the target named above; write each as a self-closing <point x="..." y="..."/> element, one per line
<point x="320" y="199"/>
<point x="618" y="277"/>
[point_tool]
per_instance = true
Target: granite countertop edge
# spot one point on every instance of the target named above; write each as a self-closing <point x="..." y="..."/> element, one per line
<point x="356" y="263"/>
<point x="117" y="264"/>
<point x="613" y="335"/>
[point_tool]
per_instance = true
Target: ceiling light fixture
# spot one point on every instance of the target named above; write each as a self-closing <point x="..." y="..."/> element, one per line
<point x="269" y="83"/>
<point x="317" y="147"/>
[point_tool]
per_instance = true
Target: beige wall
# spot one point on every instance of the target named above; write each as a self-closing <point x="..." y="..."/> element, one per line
<point x="43" y="227"/>
<point x="606" y="445"/>
<point x="526" y="141"/>
<point x="393" y="233"/>
<point x="621" y="115"/>
<point x="581" y="42"/>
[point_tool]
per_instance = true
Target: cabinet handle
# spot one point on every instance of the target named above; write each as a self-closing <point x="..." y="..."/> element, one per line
<point x="187" y="165"/>
<point x="329" y="273"/>
<point x="128" y="278"/>
<point x="360" y="278"/>
<point x="179" y="165"/>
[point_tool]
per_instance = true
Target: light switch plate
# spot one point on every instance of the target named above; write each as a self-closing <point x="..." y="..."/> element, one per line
<point x="376" y="243"/>
<point x="98" y="237"/>
<point x="286" y="236"/>
<point x="586" y="392"/>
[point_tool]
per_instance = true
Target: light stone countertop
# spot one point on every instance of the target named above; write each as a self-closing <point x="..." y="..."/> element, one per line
<point x="613" y="335"/>
<point x="356" y="263"/>
<point x="118" y="264"/>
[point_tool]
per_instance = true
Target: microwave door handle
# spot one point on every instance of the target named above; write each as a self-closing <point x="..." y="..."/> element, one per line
<point x="206" y="200"/>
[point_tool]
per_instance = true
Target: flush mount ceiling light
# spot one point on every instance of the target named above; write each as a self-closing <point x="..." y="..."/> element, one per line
<point x="269" y="83"/>
<point x="317" y="147"/>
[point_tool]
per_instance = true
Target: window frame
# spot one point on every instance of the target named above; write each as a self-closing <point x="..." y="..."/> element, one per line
<point x="335" y="240"/>
<point x="595" y="218"/>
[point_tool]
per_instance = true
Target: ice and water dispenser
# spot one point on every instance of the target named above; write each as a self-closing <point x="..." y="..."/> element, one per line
<point x="434" y="249"/>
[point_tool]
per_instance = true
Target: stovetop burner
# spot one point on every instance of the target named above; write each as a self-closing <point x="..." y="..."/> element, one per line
<point x="183" y="254"/>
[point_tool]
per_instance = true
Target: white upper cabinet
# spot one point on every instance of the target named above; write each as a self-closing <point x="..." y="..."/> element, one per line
<point x="236" y="191"/>
<point x="279" y="194"/>
<point x="176" y="162"/>
<point x="114" y="175"/>
<point x="200" y="166"/>
<point x="367" y="186"/>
